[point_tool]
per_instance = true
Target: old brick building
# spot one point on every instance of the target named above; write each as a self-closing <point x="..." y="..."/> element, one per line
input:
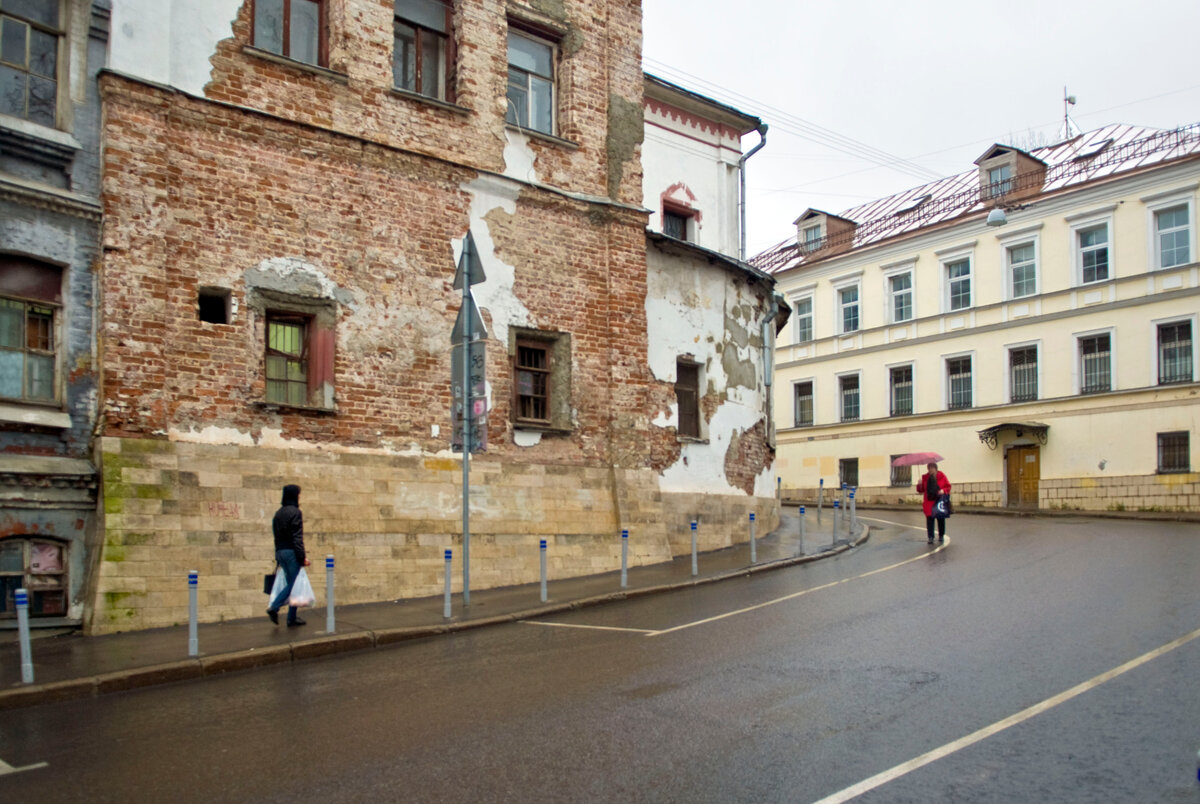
<point x="284" y="206"/>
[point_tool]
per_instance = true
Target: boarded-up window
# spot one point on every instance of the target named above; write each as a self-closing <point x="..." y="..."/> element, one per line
<point x="687" y="394"/>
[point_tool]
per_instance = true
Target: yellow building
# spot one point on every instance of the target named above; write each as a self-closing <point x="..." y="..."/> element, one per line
<point x="1031" y="319"/>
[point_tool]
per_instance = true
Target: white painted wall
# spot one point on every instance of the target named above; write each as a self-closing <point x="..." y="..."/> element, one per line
<point x="169" y="42"/>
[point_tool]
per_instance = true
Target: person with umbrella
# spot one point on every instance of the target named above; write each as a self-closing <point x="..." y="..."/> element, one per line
<point x="932" y="486"/>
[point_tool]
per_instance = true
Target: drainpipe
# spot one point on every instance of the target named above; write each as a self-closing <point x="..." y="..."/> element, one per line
<point x="762" y="133"/>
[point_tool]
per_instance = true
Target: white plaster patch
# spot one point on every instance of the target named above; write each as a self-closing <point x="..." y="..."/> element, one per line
<point x="170" y="41"/>
<point x="496" y="292"/>
<point x="519" y="157"/>
<point x="527" y="438"/>
<point x="290" y="266"/>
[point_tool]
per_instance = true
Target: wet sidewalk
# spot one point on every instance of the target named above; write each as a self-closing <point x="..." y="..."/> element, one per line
<point x="74" y="666"/>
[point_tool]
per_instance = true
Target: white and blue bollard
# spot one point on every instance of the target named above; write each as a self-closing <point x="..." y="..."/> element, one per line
<point x="853" y="512"/>
<point x="329" y="594"/>
<point x="446" y="603"/>
<point x="193" y="612"/>
<point x="543" y="552"/>
<point x="695" y="563"/>
<point x="753" y="548"/>
<point x="803" y="526"/>
<point x="624" y="558"/>
<point x="22" y="600"/>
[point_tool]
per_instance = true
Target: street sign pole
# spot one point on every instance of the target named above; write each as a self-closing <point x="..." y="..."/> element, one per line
<point x="470" y="272"/>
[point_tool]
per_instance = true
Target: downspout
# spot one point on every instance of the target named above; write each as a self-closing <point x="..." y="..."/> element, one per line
<point x="768" y="338"/>
<point x="762" y="133"/>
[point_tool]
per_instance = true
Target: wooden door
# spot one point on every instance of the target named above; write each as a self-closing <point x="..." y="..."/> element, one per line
<point x="1024" y="472"/>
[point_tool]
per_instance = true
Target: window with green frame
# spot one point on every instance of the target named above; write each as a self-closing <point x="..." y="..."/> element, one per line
<point x="287" y="359"/>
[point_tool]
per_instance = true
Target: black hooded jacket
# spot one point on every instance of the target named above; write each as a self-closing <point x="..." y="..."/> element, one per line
<point x="289" y="523"/>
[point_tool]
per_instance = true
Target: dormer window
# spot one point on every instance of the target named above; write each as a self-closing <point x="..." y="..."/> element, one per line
<point x="1000" y="180"/>
<point x="811" y="237"/>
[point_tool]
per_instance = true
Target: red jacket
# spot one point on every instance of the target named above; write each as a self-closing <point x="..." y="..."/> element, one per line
<point x="943" y="484"/>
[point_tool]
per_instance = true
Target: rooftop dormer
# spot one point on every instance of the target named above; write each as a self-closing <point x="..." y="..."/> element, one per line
<point x="818" y="231"/>
<point x="1008" y="174"/>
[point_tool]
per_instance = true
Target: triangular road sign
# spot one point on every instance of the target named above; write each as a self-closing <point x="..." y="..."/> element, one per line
<point x="469" y="264"/>
<point x="477" y="330"/>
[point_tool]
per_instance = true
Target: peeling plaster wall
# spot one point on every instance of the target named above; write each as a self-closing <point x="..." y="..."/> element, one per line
<point x="701" y="311"/>
<point x="169" y="42"/>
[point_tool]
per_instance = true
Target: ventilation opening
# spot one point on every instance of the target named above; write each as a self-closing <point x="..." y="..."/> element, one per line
<point x="213" y="305"/>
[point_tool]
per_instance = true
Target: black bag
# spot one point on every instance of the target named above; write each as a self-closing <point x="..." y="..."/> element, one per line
<point x="268" y="583"/>
<point x="942" y="509"/>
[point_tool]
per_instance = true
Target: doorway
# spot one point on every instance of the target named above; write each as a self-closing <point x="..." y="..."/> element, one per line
<point x="1023" y="470"/>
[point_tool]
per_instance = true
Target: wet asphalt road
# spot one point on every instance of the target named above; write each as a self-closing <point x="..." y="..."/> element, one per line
<point x="831" y="677"/>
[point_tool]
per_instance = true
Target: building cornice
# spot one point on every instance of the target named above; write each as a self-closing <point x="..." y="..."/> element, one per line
<point x="49" y="198"/>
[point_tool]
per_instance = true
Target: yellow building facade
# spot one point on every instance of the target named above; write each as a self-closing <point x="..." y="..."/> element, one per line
<point x="1032" y="320"/>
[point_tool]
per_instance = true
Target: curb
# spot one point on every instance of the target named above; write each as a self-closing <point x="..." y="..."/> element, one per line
<point x="332" y="644"/>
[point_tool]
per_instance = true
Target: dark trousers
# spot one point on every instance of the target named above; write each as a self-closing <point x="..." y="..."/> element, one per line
<point x="941" y="523"/>
<point x="291" y="568"/>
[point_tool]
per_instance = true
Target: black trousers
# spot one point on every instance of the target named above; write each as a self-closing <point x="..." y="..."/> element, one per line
<point x="941" y="525"/>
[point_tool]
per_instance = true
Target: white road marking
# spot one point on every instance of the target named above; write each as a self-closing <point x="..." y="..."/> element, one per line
<point x="588" y="627"/>
<point x="6" y="769"/>
<point x="880" y="779"/>
<point x="795" y="595"/>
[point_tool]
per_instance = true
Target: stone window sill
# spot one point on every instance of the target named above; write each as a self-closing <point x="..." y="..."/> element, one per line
<point x="35" y="416"/>
<point x="304" y="66"/>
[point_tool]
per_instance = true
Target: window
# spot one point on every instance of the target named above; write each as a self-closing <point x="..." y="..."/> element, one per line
<point x="901" y="475"/>
<point x="1022" y="270"/>
<point x="530" y="83"/>
<point x="1093" y="253"/>
<point x="848" y="306"/>
<point x="213" y="305"/>
<point x="675" y="224"/>
<point x="39" y="566"/>
<point x="958" y="382"/>
<point x="294" y="29"/>
<point x="901" y="383"/>
<point x="848" y="390"/>
<point x="848" y="472"/>
<point x="1172" y="236"/>
<point x="1175" y="352"/>
<point x="533" y="382"/>
<point x="1023" y="373"/>
<point x="958" y="277"/>
<point x="812" y="237"/>
<point x="803" y="396"/>
<point x="1173" y="452"/>
<point x="803" y="315"/>
<point x="687" y="395"/>
<point x="287" y="359"/>
<point x="901" y="291"/>
<point x="30" y="296"/>
<point x="999" y="181"/>
<point x="422" y="47"/>
<point x="1095" y="358"/>
<point x="29" y="37"/>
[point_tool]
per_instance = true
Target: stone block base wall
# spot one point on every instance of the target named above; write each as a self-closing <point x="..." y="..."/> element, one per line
<point x="1169" y="492"/>
<point x="170" y="507"/>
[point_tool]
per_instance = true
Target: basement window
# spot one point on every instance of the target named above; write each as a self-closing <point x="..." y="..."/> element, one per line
<point x="39" y="566"/>
<point x="213" y="305"/>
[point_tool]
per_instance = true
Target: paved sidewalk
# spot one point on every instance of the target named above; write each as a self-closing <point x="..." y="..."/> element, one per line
<point x="75" y="666"/>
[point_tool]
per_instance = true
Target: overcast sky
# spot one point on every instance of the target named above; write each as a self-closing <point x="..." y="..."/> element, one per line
<point x="932" y="82"/>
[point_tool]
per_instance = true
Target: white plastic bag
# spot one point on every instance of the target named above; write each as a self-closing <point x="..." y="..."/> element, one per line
<point x="280" y="585"/>
<point x="302" y="591"/>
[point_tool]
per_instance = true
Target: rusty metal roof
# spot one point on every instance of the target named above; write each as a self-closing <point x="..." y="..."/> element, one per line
<point x="1089" y="157"/>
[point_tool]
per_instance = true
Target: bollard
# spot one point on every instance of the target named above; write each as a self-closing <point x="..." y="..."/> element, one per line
<point x="543" y="550"/>
<point x="800" y="550"/>
<point x="853" y="512"/>
<point x="695" y="565"/>
<point x="624" y="558"/>
<point x="22" y="600"/>
<point x="820" y="500"/>
<point x="329" y="594"/>
<point x="836" y="511"/>
<point x="446" y="603"/>
<point x="753" y="549"/>
<point x="193" y="591"/>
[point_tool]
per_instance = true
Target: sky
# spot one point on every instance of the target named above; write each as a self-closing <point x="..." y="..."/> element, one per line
<point x="921" y="86"/>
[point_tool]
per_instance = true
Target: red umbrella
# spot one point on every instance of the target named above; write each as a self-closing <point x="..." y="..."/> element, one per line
<point x="918" y="459"/>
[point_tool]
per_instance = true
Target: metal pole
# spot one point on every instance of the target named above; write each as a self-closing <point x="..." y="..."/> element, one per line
<point x="836" y="510"/>
<point x="820" y="500"/>
<point x="467" y="412"/>
<point x="753" y="549"/>
<point x="624" y="558"/>
<point x="446" y="602"/>
<point x="802" y="529"/>
<point x="22" y="600"/>
<point x="853" y="512"/>
<point x="329" y="594"/>
<point x="695" y="564"/>
<point x="543" y="552"/>
<point x="193" y="605"/>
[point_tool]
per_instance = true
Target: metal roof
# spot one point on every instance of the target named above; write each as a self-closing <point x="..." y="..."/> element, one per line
<point x="1089" y="157"/>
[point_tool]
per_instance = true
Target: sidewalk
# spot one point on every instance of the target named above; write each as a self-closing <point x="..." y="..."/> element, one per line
<point x="74" y="666"/>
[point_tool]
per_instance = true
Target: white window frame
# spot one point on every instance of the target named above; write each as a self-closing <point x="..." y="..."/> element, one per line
<point x="912" y="367"/>
<point x="812" y="383"/>
<point x="1082" y="223"/>
<point x="1077" y="362"/>
<point x="809" y="243"/>
<point x="552" y="80"/>
<point x="841" y="410"/>
<point x="890" y="295"/>
<point x="1036" y="345"/>
<point x="1163" y="202"/>
<point x="953" y="256"/>
<point x="797" y="317"/>
<point x="1155" y="362"/>
<point x="844" y="283"/>
<point x="1030" y="235"/>
<point x="946" y="379"/>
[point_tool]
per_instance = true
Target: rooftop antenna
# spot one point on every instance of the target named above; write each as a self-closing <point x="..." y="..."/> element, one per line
<point x="1069" y="128"/>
